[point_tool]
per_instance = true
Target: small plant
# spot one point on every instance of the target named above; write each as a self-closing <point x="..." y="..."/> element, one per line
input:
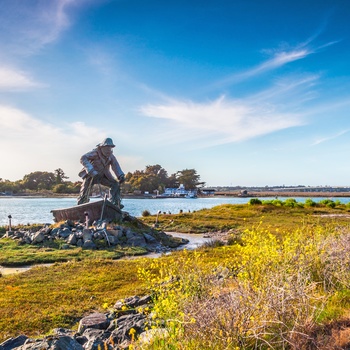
<point x="213" y="243"/>
<point x="146" y="213"/>
<point x="277" y="202"/>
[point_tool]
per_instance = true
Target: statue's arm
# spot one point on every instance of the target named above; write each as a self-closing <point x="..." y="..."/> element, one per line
<point x="116" y="168"/>
<point x="86" y="161"/>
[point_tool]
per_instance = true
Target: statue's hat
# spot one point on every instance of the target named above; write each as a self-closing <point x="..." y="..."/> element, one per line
<point x="106" y="142"/>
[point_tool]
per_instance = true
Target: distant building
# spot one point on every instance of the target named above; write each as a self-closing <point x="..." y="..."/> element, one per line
<point x="208" y="191"/>
<point x="177" y="192"/>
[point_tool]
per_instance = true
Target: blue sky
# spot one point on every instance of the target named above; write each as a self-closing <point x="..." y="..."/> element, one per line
<point x="246" y="92"/>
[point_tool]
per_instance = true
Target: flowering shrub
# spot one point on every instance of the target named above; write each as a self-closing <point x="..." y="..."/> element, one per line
<point x="267" y="291"/>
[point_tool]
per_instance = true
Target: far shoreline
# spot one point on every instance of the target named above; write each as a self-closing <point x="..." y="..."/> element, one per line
<point x="234" y="194"/>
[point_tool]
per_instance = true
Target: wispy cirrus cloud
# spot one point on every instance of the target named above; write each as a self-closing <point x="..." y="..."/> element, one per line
<point x="331" y="137"/>
<point x="220" y="121"/>
<point x="12" y="79"/>
<point x="278" y="58"/>
<point x="28" y="26"/>
<point x="50" y="21"/>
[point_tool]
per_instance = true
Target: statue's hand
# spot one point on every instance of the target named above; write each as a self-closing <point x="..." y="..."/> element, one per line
<point x="94" y="173"/>
<point x="121" y="179"/>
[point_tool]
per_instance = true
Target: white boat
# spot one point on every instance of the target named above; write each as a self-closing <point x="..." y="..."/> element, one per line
<point x="191" y="195"/>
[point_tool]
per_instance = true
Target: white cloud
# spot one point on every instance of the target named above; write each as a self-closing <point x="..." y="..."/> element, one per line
<point x="278" y="58"/>
<point x="329" y="138"/>
<point x="26" y="26"/>
<point x="12" y="79"/>
<point x="221" y="121"/>
<point x="53" y="19"/>
<point x="28" y="144"/>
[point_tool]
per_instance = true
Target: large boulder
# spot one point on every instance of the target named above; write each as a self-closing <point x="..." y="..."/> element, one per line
<point x="96" y="320"/>
<point x="12" y="343"/>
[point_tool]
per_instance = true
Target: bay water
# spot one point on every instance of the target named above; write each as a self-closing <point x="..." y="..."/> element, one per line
<point x="34" y="210"/>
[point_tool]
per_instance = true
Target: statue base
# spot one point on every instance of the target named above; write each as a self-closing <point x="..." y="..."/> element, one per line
<point x="99" y="210"/>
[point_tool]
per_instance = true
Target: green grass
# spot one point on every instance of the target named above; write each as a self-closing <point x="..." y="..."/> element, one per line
<point x="14" y="254"/>
<point x="240" y="217"/>
<point x="43" y="298"/>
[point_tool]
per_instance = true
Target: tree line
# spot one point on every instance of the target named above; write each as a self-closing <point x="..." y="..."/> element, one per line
<point x="152" y="179"/>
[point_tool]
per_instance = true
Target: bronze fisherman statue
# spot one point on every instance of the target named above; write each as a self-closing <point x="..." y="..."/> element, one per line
<point x="97" y="165"/>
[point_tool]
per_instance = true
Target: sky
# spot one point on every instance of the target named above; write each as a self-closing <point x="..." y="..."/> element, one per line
<point x="246" y="92"/>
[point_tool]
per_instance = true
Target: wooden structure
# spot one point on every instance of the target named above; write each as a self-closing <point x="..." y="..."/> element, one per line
<point x="99" y="210"/>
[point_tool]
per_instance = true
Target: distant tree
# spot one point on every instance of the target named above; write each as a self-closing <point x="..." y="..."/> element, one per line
<point x="172" y="181"/>
<point x="66" y="187"/>
<point x="39" y="180"/>
<point x="9" y="186"/>
<point x="189" y="178"/>
<point x="155" y="178"/>
<point x="60" y="176"/>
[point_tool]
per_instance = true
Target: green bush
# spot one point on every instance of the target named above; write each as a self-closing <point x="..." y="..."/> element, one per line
<point x="310" y="203"/>
<point x="254" y="201"/>
<point x="328" y="203"/>
<point x="290" y="202"/>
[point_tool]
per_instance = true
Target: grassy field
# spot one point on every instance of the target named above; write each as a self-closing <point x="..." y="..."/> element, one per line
<point x="282" y="282"/>
<point x="14" y="254"/>
<point x="241" y="216"/>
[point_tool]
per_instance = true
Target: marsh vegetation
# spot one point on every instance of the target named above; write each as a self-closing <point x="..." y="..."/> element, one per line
<point x="281" y="282"/>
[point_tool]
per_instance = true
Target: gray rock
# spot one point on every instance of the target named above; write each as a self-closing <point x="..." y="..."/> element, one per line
<point x="124" y="325"/>
<point x="63" y="342"/>
<point x="149" y="239"/>
<point x="38" y="237"/>
<point x="46" y="230"/>
<point x="137" y="241"/>
<point x="96" y="320"/>
<point x="113" y="240"/>
<point x="99" y="235"/>
<point x="95" y="339"/>
<point x="62" y="331"/>
<point x="55" y="231"/>
<point x="132" y="302"/>
<point x="65" y="232"/>
<point x="72" y="239"/>
<point x="116" y="233"/>
<point x="69" y="223"/>
<point x="89" y="245"/>
<point x="13" y="342"/>
<point x="87" y="235"/>
<point x="129" y="234"/>
<point x="18" y="234"/>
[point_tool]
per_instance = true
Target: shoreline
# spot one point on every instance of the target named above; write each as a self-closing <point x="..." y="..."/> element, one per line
<point x="195" y="241"/>
<point x="252" y="194"/>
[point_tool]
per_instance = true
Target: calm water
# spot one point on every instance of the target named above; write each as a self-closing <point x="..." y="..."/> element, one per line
<point x="37" y="210"/>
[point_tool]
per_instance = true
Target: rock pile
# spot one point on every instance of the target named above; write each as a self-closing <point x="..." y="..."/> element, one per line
<point x="130" y="232"/>
<point x="128" y="320"/>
